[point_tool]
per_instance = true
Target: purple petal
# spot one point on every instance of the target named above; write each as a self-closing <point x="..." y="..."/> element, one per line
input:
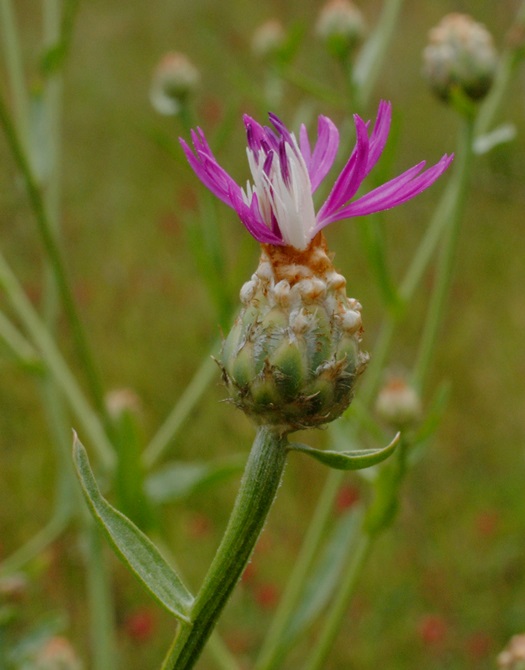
<point x="394" y="192"/>
<point x="351" y="176"/>
<point x="253" y="222"/>
<point x="259" y="137"/>
<point x="281" y="128"/>
<point x="379" y="135"/>
<point x="211" y="174"/>
<point x="322" y="159"/>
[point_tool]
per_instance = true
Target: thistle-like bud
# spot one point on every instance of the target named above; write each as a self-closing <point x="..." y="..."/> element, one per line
<point x="341" y="26"/>
<point x="513" y="656"/>
<point x="398" y="403"/>
<point x="292" y="357"/>
<point x="269" y="40"/>
<point x="460" y="56"/>
<point x="174" y="79"/>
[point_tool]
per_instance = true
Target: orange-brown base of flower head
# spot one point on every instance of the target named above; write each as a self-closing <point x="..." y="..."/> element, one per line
<point x="292" y="357"/>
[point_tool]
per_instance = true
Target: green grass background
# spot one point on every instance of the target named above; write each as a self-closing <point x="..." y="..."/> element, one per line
<point x="445" y="587"/>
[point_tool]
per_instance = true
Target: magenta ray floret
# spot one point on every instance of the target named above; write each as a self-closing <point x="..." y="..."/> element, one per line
<point x="277" y="206"/>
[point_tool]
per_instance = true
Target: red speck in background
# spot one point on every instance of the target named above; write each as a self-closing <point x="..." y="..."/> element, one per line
<point x="266" y="596"/>
<point x="479" y="645"/>
<point x="199" y="525"/>
<point x="140" y="625"/>
<point x="432" y="629"/>
<point x="249" y="573"/>
<point x="347" y="496"/>
<point x="169" y="223"/>
<point x="487" y="522"/>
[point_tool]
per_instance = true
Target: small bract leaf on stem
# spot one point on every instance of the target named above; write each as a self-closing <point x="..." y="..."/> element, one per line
<point x="348" y="460"/>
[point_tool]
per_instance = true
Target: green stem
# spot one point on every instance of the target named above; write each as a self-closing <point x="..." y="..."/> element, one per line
<point x="370" y="62"/>
<point x="34" y="547"/>
<point x="102" y="624"/>
<point x="272" y="650"/>
<point x="331" y="624"/>
<point x="49" y="351"/>
<point x="445" y="265"/>
<point x="507" y="65"/>
<point x="21" y="348"/>
<point x="216" y="647"/>
<point x="54" y="257"/>
<point x="192" y="393"/>
<point x="257" y="492"/>
<point x="15" y="70"/>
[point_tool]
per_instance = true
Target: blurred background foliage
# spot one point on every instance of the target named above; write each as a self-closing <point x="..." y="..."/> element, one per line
<point x="445" y="587"/>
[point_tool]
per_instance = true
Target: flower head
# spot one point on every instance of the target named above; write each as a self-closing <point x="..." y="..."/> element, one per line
<point x="460" y="56"/>
<point x="277" y="206"/>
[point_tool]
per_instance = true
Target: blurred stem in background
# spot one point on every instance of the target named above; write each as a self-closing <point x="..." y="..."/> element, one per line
<point x="35" y="141"/>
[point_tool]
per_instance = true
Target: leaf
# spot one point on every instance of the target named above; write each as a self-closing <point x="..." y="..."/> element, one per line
<point x="177" y="480"/>
<point x="132" y="546"/>
<point x="348" y="460"/>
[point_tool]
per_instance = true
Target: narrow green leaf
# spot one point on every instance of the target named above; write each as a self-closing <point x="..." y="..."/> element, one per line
<point x="177" y="480"/>
<point x="348" y="460"/>
<point x="131" y="545"/>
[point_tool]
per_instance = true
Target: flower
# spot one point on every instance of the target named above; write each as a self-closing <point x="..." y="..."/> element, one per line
<point x="341" y="26"/>
<point x="278" y="208"/>
<point x="174" y="80"/>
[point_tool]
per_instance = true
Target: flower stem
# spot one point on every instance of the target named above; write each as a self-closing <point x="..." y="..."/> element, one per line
<point x="102" y="624"/>
<point x="446" y="260"/>
<point x="54" y="257"/>
<point x="58" y="368"/>
<point x="192" y="393"/>
<point x="272" y="650"/>
<point x="508" y="62"/>
<point x="368" y="67"/>
<point x="257" y="492"/>
<point x="339" y="608"/>
<point x="15" y="69"/>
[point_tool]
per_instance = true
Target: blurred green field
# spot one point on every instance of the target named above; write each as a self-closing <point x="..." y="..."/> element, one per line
<point x="445" y="587"/>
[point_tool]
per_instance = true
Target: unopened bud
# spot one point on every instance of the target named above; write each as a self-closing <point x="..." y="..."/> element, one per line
<point x="268" y="40"/>
<point x="292" y="357"/>
<point x="174" y="79"/>
<point x="13" y="587"/>
<point x="460" y="56"/>
<point x="341" y="26"/>
<point x="122" y="401"/>
<point x="398" y="403"/>
<point x="513" y="656"/>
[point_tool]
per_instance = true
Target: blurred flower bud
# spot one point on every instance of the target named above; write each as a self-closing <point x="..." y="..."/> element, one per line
<point x="57" y="654"/>
<point x="269" y="40"/>
<point x="341" y="26"/>
<point x="398" y="403"/>
<point x="513" y="656"/>
<point x="174" y="79"/>
<point x="122" y="401"/>
<point x="292" y="357"/>
<point x="13" y="587"/>
<point x="460" y="56"/>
